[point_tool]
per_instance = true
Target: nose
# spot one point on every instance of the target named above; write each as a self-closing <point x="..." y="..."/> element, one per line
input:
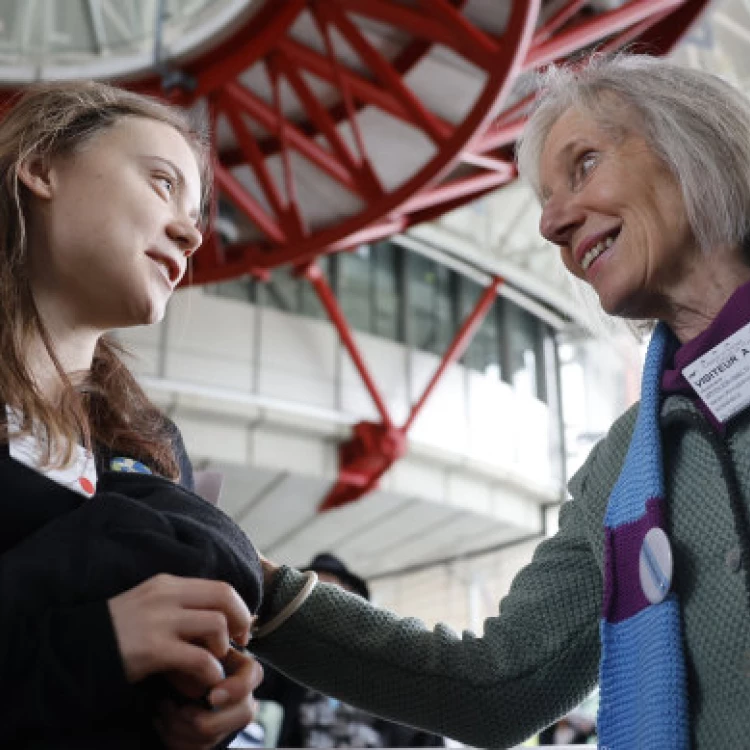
<point x="560" y="218"/>
<point x="185" y="235"/>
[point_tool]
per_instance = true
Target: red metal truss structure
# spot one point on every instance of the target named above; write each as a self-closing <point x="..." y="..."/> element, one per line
<point x="338" y="74"/>
<point x="304" y="98"/>
<point x="470" y="157"/>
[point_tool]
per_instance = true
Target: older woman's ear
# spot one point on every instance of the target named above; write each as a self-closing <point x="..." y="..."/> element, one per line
<point x="37" y="174"/>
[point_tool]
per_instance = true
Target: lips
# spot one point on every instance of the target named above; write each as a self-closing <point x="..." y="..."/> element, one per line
<point x="168" y="265"/>
<point x="594" y="245"/>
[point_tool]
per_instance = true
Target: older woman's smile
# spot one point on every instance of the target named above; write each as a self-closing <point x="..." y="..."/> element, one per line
<point x="590" y="249"/>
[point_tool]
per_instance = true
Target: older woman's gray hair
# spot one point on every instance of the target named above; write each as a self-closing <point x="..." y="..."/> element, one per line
<point x="698" y="124"/>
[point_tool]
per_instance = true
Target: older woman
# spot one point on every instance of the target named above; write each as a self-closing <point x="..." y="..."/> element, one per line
<point x="643" y="170"/>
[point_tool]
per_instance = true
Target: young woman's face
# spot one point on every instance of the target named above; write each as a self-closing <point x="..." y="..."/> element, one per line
<point x="111" y="226"/>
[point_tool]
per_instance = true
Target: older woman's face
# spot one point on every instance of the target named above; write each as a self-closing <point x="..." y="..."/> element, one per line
<point x="617" y="215"/>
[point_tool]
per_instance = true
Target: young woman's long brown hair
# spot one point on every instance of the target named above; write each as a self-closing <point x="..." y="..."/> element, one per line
<point x="105" y="406"/>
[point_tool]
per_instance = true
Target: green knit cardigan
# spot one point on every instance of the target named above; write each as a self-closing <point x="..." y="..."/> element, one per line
<point x="539" y="657"/>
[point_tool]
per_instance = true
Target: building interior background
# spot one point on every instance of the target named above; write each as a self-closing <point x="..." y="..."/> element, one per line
<point x="367" y="207"/>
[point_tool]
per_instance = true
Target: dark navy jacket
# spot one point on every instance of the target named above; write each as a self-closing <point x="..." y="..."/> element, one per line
<point x="62" y="556"/>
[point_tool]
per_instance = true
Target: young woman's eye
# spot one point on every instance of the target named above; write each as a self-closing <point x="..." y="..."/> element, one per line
<point x="167" y="183"/>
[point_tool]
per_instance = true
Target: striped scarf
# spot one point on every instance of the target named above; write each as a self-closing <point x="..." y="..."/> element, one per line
<point x="643" y="688"/>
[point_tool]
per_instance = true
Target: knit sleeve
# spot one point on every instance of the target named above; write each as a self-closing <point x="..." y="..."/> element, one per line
<point x="533" y="662"/>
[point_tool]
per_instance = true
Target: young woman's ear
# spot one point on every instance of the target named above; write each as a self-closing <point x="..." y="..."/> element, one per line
<point x="37" y="175"/>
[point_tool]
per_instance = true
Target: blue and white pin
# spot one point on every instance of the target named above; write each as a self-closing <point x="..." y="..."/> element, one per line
<point x="655" y="565"/>
<point x="128" y="466"/>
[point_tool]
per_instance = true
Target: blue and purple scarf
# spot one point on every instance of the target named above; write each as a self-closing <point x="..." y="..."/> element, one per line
<point x="643" y="701"/>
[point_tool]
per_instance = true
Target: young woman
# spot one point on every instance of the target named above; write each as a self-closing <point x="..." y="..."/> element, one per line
<point x="119" y="588"/>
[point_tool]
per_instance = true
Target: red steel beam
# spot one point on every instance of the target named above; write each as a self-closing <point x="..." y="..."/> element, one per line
<point x="557" y="21"/>
<point x="227" y="182"/>
<point x="369" y="184"/>
<point x="373" y="448"/>
<point x="458" y="346"/>
<point x="634" y="32"/>
<point x="268" y="118"/>
<point x="665" y="34"/>
<point x="461" y="37"/>
<point x="519" y="30"/>
<point x="327" y="298"/>
<point x="595" y="29"/>
<point x="499" y="135"/>
<point x="456" y="188"/>
<point x="249" y="44"/>
<point x="382" y="68"/>
<point x="373" y="233"/>
<point x="349" y="108"/>
<point x="285" y="210"/>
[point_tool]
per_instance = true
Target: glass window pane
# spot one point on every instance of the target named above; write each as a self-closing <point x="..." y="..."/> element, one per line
<point x="431" y="304"/>
<point x="523" y="344"/>
<point x="354" y="287"/>
<point x="483" y="354"/>
<point x="239" y="289"/>
<point x="281" y="291"/>
<point x="386" y="293"/>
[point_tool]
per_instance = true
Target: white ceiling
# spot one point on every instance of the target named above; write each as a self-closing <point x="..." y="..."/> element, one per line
<point x="379" y="534"/>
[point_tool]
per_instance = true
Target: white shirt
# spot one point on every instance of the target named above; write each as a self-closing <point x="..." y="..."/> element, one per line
<point x="80" y="476"/>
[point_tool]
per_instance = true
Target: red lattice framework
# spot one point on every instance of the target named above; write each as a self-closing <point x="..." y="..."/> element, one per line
<point x="471" y="157"/>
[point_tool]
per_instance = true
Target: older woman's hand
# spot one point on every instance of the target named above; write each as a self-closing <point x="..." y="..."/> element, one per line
<point x="193" y="727"/>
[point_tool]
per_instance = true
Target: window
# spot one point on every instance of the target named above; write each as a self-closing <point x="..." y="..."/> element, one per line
<point x="281" y="291"/>
<point x="285" y="291"/>
<point x="355" y="287"/>
<point x="483" y="354"/>
<point x="387" y="291"/>
<point x="245" y="290"/>
<point x="432" y="307"/>
<point x="523" y="347"/>
<point x="369" y="289"/>
<point x="387" y="264"/>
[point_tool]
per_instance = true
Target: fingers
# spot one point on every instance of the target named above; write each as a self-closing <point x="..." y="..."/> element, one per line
<point x="198" y="593"/>
<point x="194" y="661"/>
<point x="218" y="723"/>
<point x="164" y="619"/>
<point x="194" y="728"/>
<point x="209" y="628"/>
<point x="244" y="674"/>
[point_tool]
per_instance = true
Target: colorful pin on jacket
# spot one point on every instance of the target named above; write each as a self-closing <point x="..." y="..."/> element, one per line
<point x="128" y="465"/>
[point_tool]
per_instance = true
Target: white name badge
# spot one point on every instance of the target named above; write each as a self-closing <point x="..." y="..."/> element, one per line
<point x="721" y="377"/>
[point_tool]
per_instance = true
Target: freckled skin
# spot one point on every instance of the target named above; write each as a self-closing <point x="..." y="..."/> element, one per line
<point x="107" y="205"/>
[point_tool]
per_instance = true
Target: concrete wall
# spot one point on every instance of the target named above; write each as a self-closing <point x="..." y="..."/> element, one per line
<point x="255" y="355"/>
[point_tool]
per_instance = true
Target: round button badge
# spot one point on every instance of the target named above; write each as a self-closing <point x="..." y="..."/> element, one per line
<point x="655" y="565"/>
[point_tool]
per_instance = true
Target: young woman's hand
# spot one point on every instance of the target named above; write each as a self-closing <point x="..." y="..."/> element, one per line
<point x="179" y="625"/>
<point x="193" y="727"/>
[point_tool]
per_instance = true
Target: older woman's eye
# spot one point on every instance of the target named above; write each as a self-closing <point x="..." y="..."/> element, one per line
<point x="586" y="163"/>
